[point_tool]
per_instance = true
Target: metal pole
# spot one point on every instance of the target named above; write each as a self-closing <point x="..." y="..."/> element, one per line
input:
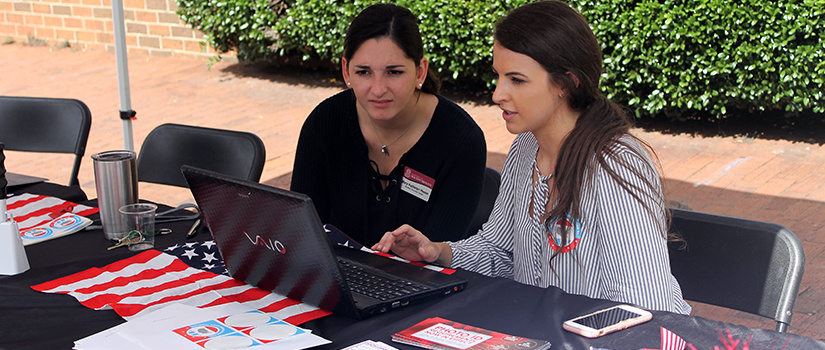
<point x="126" y="112"/>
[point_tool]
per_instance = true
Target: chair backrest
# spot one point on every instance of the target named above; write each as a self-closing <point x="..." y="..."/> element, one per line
<point x="170" y="146"/>
<point x="740" y="264"/>
<point x="489" y="192"/>
<point x="50" y="125"/>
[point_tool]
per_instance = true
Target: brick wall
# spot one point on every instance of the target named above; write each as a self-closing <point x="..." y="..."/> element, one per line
<point x="152" y="26"/>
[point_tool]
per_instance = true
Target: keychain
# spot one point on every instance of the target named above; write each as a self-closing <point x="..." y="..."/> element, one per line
<point x="137" y="237"/>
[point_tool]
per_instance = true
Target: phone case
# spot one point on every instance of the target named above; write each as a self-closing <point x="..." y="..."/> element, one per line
<point x="574" y="326"/>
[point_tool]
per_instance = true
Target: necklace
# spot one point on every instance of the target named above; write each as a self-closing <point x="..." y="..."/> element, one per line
<point x="385" y="146"/>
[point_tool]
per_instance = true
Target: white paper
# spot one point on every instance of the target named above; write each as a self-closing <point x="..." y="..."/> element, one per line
<point x="155" y="330"/>
<point x="370" y="345"/>
<point x="107" y="340"/>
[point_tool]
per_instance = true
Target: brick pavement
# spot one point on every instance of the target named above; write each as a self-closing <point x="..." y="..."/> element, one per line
<point x="767" y="180"/>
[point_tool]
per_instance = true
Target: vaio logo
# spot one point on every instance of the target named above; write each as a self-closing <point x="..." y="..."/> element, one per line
<point x="275" y="246"/>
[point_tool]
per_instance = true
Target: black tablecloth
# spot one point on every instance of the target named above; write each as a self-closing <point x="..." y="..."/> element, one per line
<point x="33" y="320"/>
<point x="509" y="307"/>
<point x="70" y="193"/>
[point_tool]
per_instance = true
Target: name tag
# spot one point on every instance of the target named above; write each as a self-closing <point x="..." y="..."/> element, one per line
<point x="417" y="184"/>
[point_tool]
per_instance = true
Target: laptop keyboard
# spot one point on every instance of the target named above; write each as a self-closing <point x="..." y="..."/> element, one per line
<point x="365" y="282"/>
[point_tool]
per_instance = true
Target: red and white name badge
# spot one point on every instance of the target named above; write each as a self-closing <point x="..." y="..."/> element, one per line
<point x="417" y="184"/>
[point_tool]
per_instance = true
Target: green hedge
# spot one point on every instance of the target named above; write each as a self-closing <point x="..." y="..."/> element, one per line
<point x="676" y="56"/>
<point x="665" y="57"/>
<point x="457" y="34"/>
<point x="242" y="26"/>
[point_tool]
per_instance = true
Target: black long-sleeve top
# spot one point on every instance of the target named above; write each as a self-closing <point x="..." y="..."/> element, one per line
<point x="333" y="168"/>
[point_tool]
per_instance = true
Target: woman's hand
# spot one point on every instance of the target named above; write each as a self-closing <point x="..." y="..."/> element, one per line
<point x="413" y="245"/>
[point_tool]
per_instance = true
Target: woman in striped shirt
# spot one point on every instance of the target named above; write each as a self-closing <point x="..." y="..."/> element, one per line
<point x="580" y="205"/>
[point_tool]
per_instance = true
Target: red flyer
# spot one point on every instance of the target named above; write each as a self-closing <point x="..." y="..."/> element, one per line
<point x="440" y="334"/>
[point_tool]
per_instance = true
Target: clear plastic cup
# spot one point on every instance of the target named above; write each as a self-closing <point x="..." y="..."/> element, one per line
<point x="139" y="219"/>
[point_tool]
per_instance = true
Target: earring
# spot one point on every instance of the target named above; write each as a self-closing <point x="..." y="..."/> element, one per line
<point x="349" y="84"/>
<point x="419" y="85"/>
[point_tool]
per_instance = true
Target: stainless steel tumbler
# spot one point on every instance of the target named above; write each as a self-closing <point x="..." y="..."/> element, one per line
<point x="117" y="185"/>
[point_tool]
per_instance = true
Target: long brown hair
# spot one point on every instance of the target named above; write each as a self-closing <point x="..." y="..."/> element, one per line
<point x="560" y="39"/>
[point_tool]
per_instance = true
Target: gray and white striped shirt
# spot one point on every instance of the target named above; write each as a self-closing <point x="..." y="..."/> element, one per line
<point x="615" y="251"/>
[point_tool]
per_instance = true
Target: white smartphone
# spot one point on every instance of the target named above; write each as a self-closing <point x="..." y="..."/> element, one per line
<point x="608" y="320"/>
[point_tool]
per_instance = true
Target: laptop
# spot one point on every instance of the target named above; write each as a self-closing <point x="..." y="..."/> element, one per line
<point x="273" y="239"/>
<point x="15" y="179"/>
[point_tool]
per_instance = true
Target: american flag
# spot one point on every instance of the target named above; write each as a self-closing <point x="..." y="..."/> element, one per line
<point x="31" y="210"/>
<point x="338" y="237"/>
<point x="191" y="273"/>
<point x="200" y="255"/>
<point x="152" y="279"/>
<point x="671" y="341"/>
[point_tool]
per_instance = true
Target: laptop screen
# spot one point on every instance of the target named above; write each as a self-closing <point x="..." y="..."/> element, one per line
<point x="268" y="237"/>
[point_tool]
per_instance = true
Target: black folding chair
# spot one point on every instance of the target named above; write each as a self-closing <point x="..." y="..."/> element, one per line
<point x="170" y="146"/>
<point x="740" y="264"/>
<point x="489" y="192"/>
<point x="50" y="125"/>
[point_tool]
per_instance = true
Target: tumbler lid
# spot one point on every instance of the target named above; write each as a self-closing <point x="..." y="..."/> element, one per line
<point x="117" y="155"/>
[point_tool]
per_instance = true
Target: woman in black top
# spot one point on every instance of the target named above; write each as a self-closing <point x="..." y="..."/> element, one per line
<point x="389" y="150"/>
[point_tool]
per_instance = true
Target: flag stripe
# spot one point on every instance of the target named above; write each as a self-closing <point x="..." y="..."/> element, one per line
<point x="122" y="282"/>
<point x="152" y="279"/>
<point x="306" y="316"/>
<point x="30" y="210"/>
<point x="140" y="303"/>
<point x="295" y="310"/>
<point x="60" y="285"/>
<point x="87" y="212"/>
<point x="197" y="301"/>
<point x="140" y="289"/>
<point x="671" y="341"/>
<point x="444" y="270"/>
<point x="22" y="200"/>
<point x="95" y="276"/>
<point x="339" y="238"/>
<point x="50" y="212"/>
<point x="280" y="305"/>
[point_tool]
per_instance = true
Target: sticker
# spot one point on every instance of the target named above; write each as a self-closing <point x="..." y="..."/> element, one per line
<point x="238" y="331"/>
<point x="248" y="319"/>
<point x="67" y="222"/>
<point x="63" y="225"/>
<point x="554" y="234"/>
<point x="417" y="184"/>
<point x="273" y="331"/>
<point x="37" y="233"/>
<point x="204" y="330"/>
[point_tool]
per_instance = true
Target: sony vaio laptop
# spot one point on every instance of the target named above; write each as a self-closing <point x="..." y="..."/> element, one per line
<point x="273" y="239"/>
